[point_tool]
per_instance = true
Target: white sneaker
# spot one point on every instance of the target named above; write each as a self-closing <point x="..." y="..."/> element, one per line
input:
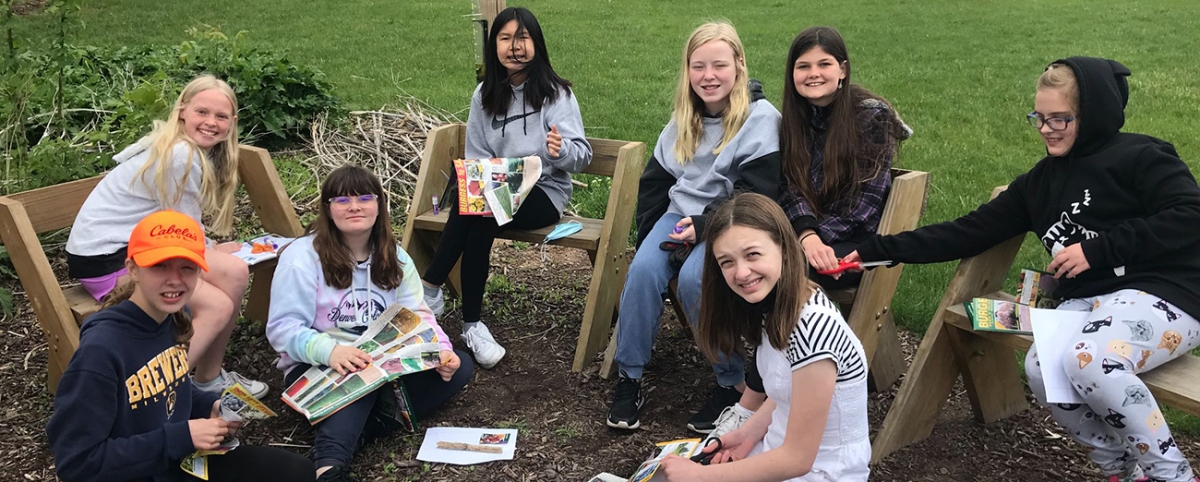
<point x="436" y="303"/>
<point x="487" y="352"/>
<point x="730" y="419"/>
<point x="228" y="379"/>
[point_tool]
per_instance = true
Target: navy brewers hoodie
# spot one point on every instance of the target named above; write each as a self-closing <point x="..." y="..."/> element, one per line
<point x="1127" y="198"/>
<point x="123" y="404"/>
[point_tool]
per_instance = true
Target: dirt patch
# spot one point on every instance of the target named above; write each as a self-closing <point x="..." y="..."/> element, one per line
<point x="29" y="7"/>
<point x="536" y="309"/>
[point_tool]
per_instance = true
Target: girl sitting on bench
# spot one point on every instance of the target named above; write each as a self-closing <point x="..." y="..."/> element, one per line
<point x="328" y="287"/>
<point x="188" y="163"/>
<point x="125" y="409"/>
<point x="1117" y="212"/>
<point x="836" y="144"/>
<point x="522" y="108"/>
<point x="756" y="291"/>
<point x="723" y="136"/>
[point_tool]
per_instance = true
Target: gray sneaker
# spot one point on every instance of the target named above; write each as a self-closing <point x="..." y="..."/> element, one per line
<point x="436" y="303"/>
<point x="730" y="419"/>
<point x="255" y="387"/>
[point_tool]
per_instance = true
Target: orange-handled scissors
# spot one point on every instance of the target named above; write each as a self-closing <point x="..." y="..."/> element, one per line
<point x="843" y="266"/>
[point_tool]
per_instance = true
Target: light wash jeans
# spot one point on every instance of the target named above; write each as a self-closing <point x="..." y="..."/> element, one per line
<point x="642" y="303"/>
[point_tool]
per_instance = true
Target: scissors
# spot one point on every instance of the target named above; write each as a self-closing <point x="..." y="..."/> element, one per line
<point x="843" y="266"/>
<point x="704" y="458"/>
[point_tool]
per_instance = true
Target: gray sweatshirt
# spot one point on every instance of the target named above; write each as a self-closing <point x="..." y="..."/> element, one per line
<point x="522" y="132"/>
<point x="121" y="199"/>
<point x="709" y="177"/>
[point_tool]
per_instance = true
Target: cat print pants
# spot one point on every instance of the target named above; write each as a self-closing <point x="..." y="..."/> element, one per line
<point x="1128" y="332"/>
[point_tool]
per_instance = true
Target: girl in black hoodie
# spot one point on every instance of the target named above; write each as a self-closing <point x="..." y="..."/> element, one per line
<point x="1117" y="212"/>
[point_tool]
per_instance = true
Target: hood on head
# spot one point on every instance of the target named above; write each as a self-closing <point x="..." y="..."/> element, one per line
<point x="1103" y="94"/>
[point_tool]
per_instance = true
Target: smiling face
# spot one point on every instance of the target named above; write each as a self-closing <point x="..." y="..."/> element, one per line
<point x="356" y="217"/>
<point x="207" y="117"/>
<point x="165" y="287"/>
<point x="514" y="47"/>
<point x="1053" y="102"/>
<point x="816" y="74"/>
<point x="712" y="71"/>
<point x="750" y="261"/>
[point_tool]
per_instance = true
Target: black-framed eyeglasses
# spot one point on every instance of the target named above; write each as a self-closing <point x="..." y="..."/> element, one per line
<point x="345" y="200"/>
<point x="1056" y="123"/>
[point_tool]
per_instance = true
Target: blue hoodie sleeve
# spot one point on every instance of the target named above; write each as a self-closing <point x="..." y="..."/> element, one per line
<point x="85" y="411"/>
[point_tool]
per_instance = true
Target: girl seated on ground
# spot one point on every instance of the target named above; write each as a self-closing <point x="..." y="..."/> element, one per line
<point x="1118" y="214"/>
<point x="329" y="285"/>
<point x="188" y="163"/>
<point x="125" y="409"/>
<point x="836" y="144"/>
<point x="522" y="108"/>
<point x="722" y="136"/>
<point x="813" y="426"/>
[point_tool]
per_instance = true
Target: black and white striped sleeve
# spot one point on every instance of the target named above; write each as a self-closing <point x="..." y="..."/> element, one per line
<point x="822" y="334"/>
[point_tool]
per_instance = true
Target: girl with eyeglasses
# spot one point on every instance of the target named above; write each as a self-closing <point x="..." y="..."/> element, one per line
<point x="1117" y="213"/>
<point x="187" y="163"/>
<point x="522" y="108"/>
<point x="329" y="285"/>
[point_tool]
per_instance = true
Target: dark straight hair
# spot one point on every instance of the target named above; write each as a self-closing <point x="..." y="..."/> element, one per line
<point x="849" y="156"/>
<point x="541" y="83"/>
<point x="337" y="263"/>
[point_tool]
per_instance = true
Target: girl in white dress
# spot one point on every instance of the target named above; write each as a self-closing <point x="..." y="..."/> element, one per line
<point x="755" y="290"/>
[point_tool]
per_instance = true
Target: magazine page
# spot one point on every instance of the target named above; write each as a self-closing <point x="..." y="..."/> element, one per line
<point x="262" y="248"/>
<point x="398" y="341"/>
<point x="1052" y="332"/>
<point x="1037" y="289"/>
<point x="648" y="471"/>
<point x="496" y="186"/>
<point x="998" y="315"/>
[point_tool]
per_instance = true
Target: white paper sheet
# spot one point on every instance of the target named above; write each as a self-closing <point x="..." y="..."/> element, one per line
<point x="430" y="453"/>
<point x="1052" y="332"/>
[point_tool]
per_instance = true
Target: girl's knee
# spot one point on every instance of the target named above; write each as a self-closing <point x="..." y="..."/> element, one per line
<point x="212" y="305"/>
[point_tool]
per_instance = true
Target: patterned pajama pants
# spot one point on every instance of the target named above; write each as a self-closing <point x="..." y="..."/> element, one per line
<point x="1128" y="332"/>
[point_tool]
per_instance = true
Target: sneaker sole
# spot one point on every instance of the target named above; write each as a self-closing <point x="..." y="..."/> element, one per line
<point x="489" y="366"/>
<point x="694" y="429"/>
<point x="624" y="426"/>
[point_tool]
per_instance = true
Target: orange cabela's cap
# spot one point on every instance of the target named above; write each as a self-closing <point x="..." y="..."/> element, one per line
<point x="165" y="235"/>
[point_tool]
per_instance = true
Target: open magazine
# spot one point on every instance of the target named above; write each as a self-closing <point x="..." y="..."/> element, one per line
<point x="237" y="405"/>
<point x="648" y="471"/>
<point x="398" y="341"/>
<point x="495" y="186"/>
<point x="1035" y="290"/>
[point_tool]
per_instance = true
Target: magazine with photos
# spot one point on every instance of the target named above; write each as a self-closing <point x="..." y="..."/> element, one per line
<point x="399" y="343"/>
<point x="496" y="186"/>
<point x="236" y="405"/>
<point x="1037" y="289"/>
<point x="648" y="471"/>
<point x="999" y="315"/>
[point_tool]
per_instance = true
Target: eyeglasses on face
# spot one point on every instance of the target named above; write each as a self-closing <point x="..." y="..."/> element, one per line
<point x="1056" y="123"/>
<point x="346" y="200"/>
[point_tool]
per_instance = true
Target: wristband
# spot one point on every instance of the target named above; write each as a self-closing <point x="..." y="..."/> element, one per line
<point x="814" y="233"/>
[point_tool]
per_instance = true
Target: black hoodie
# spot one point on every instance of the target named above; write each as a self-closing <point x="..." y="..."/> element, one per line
<point x="1127" y="198"/>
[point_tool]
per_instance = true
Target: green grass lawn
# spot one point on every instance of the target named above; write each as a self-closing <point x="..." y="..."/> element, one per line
<point x="960" y="72"/>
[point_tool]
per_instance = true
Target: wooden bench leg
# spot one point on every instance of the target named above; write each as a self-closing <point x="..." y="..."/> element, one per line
<point x="888" y="363"/>
<point x="924" y="391"/>
<point x="604" y="292"/>
<point x="258" y="301"/>
<point x="609" y="367"/>
<point x="990" y="375"/>
<point x="53" y="374"/>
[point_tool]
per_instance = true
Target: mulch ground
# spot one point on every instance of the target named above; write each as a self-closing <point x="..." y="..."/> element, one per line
<point x="537" y="308"/>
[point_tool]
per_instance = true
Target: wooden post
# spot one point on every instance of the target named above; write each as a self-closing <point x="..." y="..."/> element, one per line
<point x="484" y="12"/>
<point x="489" y="9"/>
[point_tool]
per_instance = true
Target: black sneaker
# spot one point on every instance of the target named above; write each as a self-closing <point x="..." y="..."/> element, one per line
<point x="627" y="400"/>
<point x="705" y="420"/>
<point x="337" y="473"/>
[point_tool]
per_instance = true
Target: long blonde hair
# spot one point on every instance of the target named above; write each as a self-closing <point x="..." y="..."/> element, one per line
<point x="218" y="166"/>
<point x="689" y="108"/>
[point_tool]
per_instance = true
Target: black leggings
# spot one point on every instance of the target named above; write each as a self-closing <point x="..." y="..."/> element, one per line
<point x="250" y="463"/>
<point x="471" y="238"/>
<point x="840" y="249"/>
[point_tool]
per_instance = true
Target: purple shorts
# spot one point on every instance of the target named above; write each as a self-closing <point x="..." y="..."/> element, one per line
<point x="100" y="286"/>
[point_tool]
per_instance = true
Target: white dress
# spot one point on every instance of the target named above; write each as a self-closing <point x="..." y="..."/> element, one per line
<point x="822" y="334"/>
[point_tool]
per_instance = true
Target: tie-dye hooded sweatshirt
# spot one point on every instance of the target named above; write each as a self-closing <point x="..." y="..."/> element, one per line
<point x="308" y="317"/>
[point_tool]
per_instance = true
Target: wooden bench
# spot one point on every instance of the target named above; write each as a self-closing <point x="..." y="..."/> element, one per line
<point x="25" y="215"/>
<point x="870" y="315"/>
<point x="987" y="363"/>
<point x="605" y="240"/>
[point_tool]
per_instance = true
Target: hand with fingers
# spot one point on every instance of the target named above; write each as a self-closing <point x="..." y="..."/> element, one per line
<point x="450" y="364"/>
<point x="684" y="231"/>
<point x="207" y="433"/>
<point x="348" y="359"/>
<point x="554" y="142"/>
<point x="818" y="254"/>
<point x="1070" y="262"/>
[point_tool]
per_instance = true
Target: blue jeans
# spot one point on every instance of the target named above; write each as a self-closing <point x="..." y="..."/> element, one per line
<point x="642" y="303"/>
<point x="341" y="434"/>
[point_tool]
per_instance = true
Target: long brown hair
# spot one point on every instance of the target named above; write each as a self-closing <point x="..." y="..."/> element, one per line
<point x="726" y="320"/>
<point x="849" y="157"/>
<point x="182" y="319"/>
<point x="337" y="262"/>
